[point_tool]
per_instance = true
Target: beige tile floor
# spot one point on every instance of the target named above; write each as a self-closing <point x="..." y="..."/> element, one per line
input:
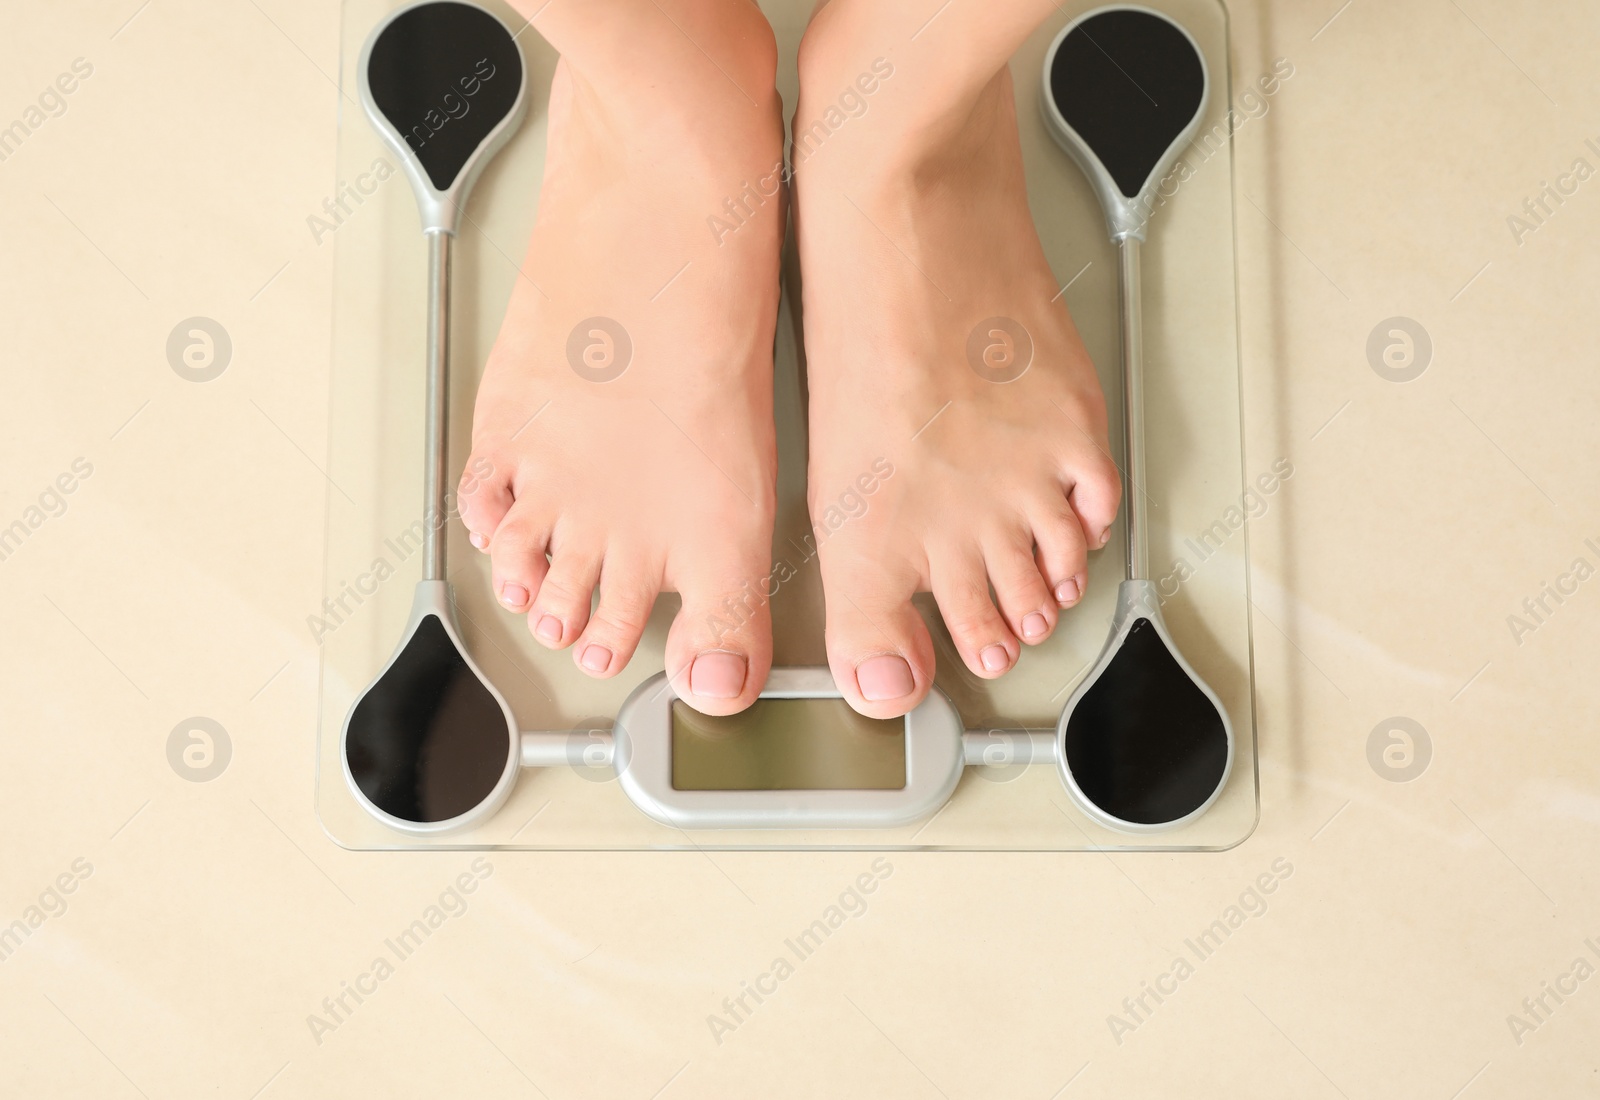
<point x="180" y="934"/>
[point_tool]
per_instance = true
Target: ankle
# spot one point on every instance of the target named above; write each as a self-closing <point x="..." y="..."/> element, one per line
<point x="716" y="57"/>
<point x="887" y="117"/>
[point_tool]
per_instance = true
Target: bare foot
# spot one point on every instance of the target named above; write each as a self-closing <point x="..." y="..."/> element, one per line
<point x="934" y="344"/>
<point x="623" y="437"/>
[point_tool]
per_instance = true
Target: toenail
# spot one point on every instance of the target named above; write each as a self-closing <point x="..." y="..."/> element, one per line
<point x="1067" y="593"/>
<point x="513" y="596"/>
<point x="995" y="658"/>
<point x="1105" y="536"/>
<point x="884" y="677"/>
<point x="548" y="629"/>
<point x="477" y="540"/>
<point x="1034" y="625"/>
<point x="596" y="658"/>
<point x="717" y="675"/>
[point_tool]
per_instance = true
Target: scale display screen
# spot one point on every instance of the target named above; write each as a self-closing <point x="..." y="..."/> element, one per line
<point x="787" y="745"/>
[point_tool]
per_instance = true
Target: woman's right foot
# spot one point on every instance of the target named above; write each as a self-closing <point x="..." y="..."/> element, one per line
<point x="624" y="421"/>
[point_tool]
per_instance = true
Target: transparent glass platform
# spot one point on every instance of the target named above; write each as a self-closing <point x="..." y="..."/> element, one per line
<point x="1200" y="486"/>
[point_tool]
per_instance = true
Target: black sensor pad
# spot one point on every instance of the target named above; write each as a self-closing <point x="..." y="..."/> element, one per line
<point x="1145" y="744"/>
<point x="1129" y="83"/>
<point x="427" y="742"/>
<point x="444" y="75"/>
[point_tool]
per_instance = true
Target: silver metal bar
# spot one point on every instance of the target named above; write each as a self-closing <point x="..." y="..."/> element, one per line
<point x="1003" y="747"/>
<point x="1133" y="497"/>
<point x="436" y="452"/>
<point x="596" y="748"/>
<point x="559" y="748"/>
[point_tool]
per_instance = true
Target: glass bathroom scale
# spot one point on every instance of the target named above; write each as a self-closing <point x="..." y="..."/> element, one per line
<point x="795" y="772"/>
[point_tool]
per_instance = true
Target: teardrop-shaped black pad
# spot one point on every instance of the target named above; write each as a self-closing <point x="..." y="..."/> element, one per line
<point x="444" y="75"/>
<point x="1145" y="744"/>
<point x="428" y="741"/>
<point x="1129" y="82"/>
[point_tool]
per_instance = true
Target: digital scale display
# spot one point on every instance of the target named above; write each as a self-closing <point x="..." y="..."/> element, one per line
<point x="787" y="745"/>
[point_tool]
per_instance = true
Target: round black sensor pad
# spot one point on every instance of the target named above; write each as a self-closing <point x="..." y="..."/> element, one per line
<point x="1124" y="89"/>
<point x="444" y="84"/>
<point x="427" y="742"/>
<point x="431" y="746"/>
<point x="1145" y="743"/>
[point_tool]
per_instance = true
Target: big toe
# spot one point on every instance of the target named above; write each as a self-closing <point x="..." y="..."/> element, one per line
<point x="719" y="649"/>
<point x="878" y="646"/>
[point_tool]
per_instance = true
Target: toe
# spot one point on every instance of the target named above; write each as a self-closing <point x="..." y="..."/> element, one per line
<point x="562" y="602"/>
<point x="628" y="590"/>
<point x="879" y="649"/>
<point x="1061" y="552"/>
<point x="517" y="557"/>
<point x="719" y="649"/>
<point x="1095" y="494"/>
<point x="960" y="584"/>
<point x="483" y="497"/>
<point x="1025" y="599"/>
